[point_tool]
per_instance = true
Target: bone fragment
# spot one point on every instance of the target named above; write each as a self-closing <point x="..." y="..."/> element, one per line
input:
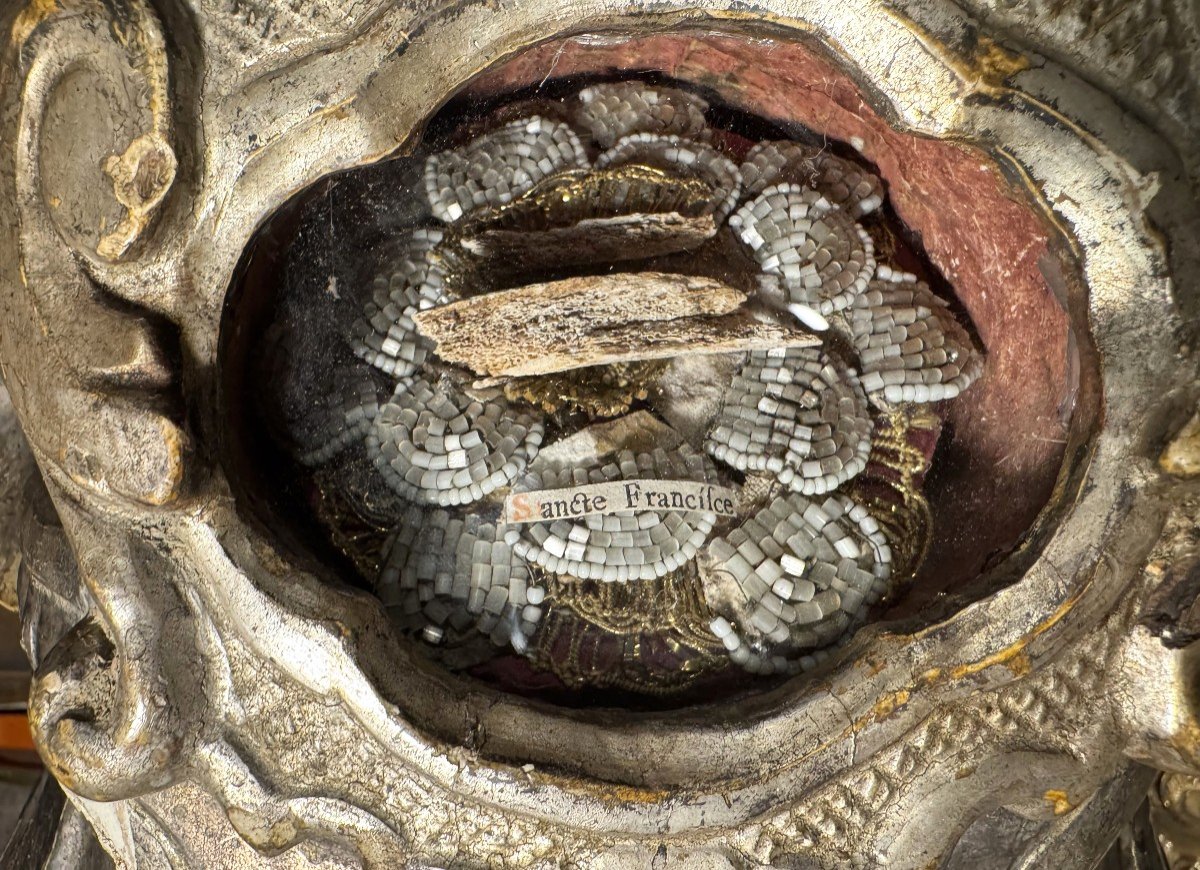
<point x="624" y="237"/>
<point x="598" y="320"/>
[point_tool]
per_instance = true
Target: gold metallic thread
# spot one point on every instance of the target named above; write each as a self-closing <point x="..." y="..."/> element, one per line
<point x="598" y="391"/>
<point x="574" y="195"/>
<point x="671" y="609"/>
<point x="903" y="512"/>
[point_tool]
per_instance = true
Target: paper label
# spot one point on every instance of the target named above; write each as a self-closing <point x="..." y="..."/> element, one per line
<point x="617" y="496"/>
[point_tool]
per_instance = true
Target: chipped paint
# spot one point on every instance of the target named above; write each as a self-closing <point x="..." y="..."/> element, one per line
<point x="29" y="18"/>
<point x="610" y="793"/>
<point x="1059" y="801"/>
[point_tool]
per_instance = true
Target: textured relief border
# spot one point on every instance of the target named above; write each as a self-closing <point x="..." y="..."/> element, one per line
<point x="212" y="675"/>
<point x="1148" y="54"/>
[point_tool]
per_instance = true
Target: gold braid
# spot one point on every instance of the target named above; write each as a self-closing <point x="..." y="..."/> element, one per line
<point x="896" y="501"/>
<point x="670" y="609"/>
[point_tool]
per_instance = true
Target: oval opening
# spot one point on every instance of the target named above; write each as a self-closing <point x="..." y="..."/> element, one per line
<point x="986" y="462"/>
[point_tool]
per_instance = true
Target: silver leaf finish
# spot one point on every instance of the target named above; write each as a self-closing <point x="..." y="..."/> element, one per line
<point x="209" y="704"/>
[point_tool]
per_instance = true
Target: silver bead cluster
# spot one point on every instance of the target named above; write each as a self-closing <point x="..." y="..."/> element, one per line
<point x="822" y="258"/>
<point x="623" y="546"/>
<point x="457" y="571"/>
<point x="344" y="419"/>
<point x="807" y="572"/>
<point x="385" y="336"/>
<point x="613" y="111"/>
<point x="847" y="185"/>
<point x="433" y="445"/>
<point x="499" y="166"/>
<point x="798" y="414"/>
<point x="910" y="346"/>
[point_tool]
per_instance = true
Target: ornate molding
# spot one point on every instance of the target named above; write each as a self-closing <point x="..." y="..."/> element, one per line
<point x="222" y="706"/>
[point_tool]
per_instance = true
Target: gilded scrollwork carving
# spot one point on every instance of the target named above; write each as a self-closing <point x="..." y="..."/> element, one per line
<point x="81" y="198"/>
<point x="107" y="720"/>
<point x="212" y="693"/>
<point x="101" y="190"/>
<point x="1147" y="52"/>
<point x="113" y="703"/>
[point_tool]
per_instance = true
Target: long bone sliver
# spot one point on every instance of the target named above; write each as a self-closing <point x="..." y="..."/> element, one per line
<point x="598" y="320"/>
